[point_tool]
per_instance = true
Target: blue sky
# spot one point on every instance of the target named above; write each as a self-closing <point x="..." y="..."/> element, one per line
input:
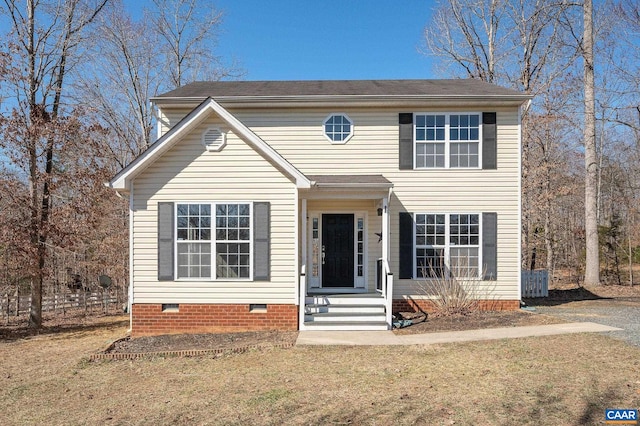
<point x="325" y="39"/>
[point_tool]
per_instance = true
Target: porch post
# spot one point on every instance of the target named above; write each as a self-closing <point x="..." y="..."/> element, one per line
<point x="385" y="229"/>
<point x="303" y="236"/>
<point x="302" y="279"/>
<point x="388" y="278"/>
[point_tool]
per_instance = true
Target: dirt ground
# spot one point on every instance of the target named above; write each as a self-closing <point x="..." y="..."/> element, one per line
<point x="229" y="341"/>
<point x="475" y="321"/>
<point x="226" y="341"/>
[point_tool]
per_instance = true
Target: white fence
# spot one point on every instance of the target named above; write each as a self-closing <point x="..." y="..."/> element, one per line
<point x="58" y="303"/>
<point x="535" y="283"/>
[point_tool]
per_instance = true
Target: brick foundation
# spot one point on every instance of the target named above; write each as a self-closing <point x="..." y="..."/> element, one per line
<point x="149" y="319"/>
<point x="414" y="305"/>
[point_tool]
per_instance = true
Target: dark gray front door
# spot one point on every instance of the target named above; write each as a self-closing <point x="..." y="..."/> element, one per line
<point x="337" y="247"/>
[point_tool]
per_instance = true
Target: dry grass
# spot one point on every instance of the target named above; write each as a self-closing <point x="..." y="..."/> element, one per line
<point x="553" y="380"/>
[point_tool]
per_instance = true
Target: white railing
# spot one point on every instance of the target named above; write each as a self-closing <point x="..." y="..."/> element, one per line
<point x="385" y="286"/>
<point x="535" y="283"/>
<point x="302" y="294"/>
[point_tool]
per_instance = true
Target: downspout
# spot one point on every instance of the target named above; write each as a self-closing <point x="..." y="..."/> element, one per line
<point x="130" y="298"/>
<point x="130" y="287"/>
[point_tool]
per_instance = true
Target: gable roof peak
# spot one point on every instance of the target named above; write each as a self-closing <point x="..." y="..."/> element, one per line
<point x="122" y="180"/>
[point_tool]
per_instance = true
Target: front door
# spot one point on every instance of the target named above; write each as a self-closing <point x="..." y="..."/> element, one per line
<point x="337" y="250"/>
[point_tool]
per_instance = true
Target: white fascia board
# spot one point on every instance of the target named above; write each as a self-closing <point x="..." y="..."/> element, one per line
<point x="409" y="101"/>
<point x="121" y="181"/>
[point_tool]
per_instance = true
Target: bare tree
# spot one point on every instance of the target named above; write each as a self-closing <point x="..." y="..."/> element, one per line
<point x="516" y="43"/>
<point x="187" y="31"/>
<point x="135" y="59"/>
<point x="467" y="34"/>
<point x="592" y="265"/>
<point x="44" y="37"/>
<point x="123" y="73"/>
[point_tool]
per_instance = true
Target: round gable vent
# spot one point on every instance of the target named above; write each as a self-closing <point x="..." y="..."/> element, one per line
<point x="213" y="139"/>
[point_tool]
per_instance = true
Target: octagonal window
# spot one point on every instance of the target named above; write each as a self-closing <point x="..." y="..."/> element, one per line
<point x="338" y="128"/>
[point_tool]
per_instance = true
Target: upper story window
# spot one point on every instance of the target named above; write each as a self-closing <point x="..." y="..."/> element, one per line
<point x="447" y="140"/>
<point x="338" y="128"/>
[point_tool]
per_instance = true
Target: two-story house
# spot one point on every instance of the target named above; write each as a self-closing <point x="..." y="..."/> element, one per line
<point x="318" y="204"/>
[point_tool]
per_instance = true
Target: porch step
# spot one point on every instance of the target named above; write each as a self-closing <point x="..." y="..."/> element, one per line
<point x="344" y="308"/>
<point x="346" y="326"/>
<point x="351" y="317"/>
<point x="363" y="311"/>
<point x="345" y="299"/>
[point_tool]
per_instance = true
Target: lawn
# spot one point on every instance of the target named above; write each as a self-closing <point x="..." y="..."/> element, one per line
<point x="567" y="379"/>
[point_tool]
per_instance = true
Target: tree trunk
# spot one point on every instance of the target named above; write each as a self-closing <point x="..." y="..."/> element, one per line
<point x="631" y="251"/>
<point x="36" y="115"/>
<point x="592" y="266"/>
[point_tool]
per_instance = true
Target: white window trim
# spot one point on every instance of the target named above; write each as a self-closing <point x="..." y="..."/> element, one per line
<point x="447" y="246"/>
<point x="446" y="141"/>
<point x="345" y="140"/>
<point x="216" y="147"/>
<point x="212" y="241"/>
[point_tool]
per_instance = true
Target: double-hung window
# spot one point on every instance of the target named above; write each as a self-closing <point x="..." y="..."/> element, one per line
<point x="447" y="140"/>
<point x="447" y="244"/>
<point x="213" y="240"/>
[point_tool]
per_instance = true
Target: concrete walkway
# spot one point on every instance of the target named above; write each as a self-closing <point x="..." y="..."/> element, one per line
<point x="355" y="338"/>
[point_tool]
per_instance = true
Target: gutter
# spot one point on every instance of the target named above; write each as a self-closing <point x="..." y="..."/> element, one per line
<point x="352" y="185"/>
<point x="354" y="100"/>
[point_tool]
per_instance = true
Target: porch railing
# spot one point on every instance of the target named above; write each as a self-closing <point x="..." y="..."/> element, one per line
<point x="384" y="284"/>
<point x="302" y="292"/>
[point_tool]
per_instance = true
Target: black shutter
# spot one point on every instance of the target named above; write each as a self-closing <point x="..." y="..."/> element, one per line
<point x="489" y="141"/>
<point x="261" y="233"/>
<point x="406" y="245"/>
<point x="165" y="242"/>
<point x="405" y="149"/>
<point x="490" y="245"/>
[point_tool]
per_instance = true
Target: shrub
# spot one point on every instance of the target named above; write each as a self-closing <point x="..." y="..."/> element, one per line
<point x="453" y="292"/>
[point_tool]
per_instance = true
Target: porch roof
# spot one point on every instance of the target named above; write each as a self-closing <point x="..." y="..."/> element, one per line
<point x="347" y="186"/>
<point x="374" y="182"/>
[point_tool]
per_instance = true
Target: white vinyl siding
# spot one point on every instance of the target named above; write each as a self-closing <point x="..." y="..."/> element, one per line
<point x="188" y="173"/>
<point x="298" y="135"/>
<point x="167" y="118"/>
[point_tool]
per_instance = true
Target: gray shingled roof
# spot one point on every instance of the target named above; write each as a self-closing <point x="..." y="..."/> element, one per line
<point x="427" y="88"/>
